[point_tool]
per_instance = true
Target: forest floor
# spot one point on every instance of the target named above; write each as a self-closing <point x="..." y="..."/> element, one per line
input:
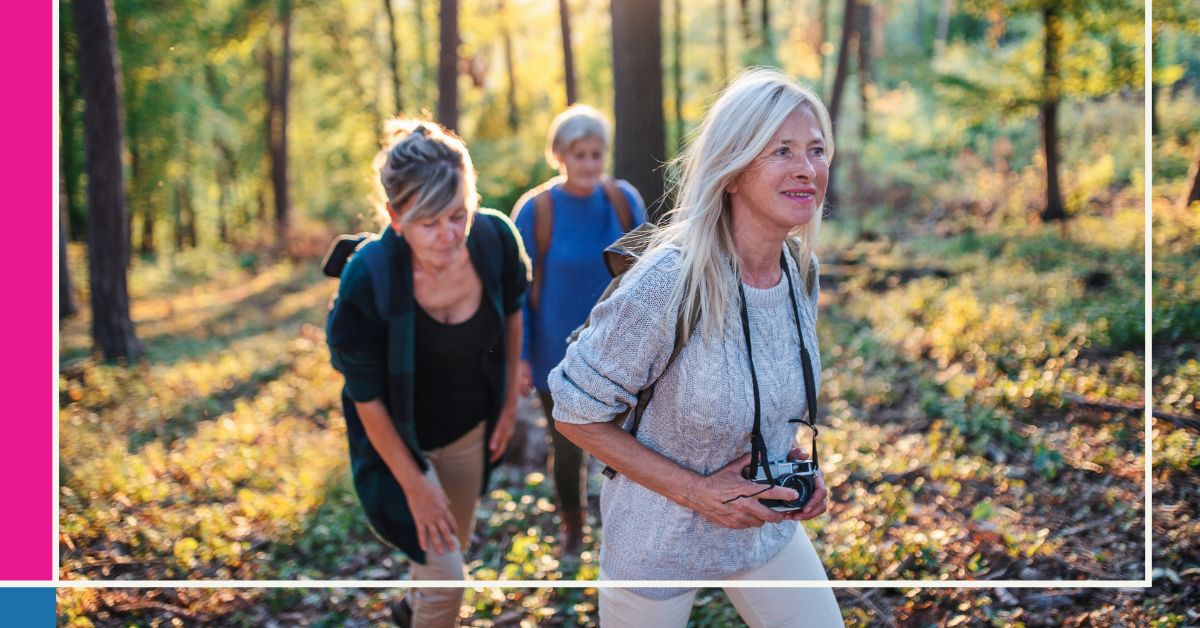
<point x="981" y="421"/>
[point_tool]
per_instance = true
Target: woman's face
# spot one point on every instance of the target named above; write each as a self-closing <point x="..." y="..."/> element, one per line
<point x="785" y="185"/>
<point x="436" y="240"/>
<point x="583" y="164"/>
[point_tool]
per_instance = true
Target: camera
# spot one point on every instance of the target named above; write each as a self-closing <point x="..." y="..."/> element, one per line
<point x="798" y="475"/>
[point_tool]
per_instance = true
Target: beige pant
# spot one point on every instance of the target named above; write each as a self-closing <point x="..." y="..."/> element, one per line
<point x="759" y="608"/>
<point x="458" y="468"/>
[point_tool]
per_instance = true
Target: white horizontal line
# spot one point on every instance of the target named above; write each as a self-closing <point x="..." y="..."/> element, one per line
<point x="583" y="584"/>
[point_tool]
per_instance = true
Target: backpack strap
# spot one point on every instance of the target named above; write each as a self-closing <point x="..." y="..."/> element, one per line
<point x="619" y="257"/>
<point x="620" y="203"/>
<point x="683" y="331"/>
<point x="543" y="226"/>
<point x="543" y="215"/>
<point x="340" y="251"/>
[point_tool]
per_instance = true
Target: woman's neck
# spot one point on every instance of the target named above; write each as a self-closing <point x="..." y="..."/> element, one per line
<point x="439" y="267"/>
<point x="758" y="253"/>
<point x="575" y="189"/>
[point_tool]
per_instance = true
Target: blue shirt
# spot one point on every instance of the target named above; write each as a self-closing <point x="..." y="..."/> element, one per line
<point x="575" y="274"/>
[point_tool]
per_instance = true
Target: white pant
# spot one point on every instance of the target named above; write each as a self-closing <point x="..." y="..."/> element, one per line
<point x="759" y="608"/>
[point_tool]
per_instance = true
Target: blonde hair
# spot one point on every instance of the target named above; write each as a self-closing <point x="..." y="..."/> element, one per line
<point x="573" y="124"/>
<point x="424" y="161"/>
<point x="735" y="130"/>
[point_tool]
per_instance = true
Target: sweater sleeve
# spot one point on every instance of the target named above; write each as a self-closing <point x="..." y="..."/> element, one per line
<point x="625" y="347"/>
<point x="356" y="335"/>
<point x="516" y="275"/>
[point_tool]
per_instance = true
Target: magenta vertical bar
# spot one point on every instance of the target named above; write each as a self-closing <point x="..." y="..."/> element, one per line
<point x="26" y="445"/>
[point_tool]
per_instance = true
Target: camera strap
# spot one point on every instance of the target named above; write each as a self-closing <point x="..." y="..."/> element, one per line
<point x="810" y="383"/>
<point x="758" y="447"/>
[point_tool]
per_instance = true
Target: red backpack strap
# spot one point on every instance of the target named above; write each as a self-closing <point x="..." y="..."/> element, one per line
<point x="619" y="202"/>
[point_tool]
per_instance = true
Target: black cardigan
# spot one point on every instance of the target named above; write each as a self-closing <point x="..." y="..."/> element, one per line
<point x="376" y="357"/>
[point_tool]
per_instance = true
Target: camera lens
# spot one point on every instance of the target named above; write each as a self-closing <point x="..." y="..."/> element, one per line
<point x="802" y="484"/>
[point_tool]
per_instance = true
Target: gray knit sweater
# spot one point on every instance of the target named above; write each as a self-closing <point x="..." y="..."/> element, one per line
<point x="701" y="416"/>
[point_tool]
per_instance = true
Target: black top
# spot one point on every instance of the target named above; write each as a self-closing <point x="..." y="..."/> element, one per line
<point x="451" y="392"/>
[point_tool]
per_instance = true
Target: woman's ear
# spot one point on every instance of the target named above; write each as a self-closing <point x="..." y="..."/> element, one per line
<point x="394" y="220"/>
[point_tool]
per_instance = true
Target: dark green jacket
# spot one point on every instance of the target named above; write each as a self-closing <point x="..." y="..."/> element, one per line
<point x="376" y="357"/>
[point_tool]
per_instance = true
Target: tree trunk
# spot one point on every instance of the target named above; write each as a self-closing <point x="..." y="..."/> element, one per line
<point x="187" y="213"/>
<point x="447" y="109"/>
<point x="1052" y="25"/>
<point x="143" y="205"/>
<point x="104" y="132"/>
<point x="279" y="152"/>
<point x="744" y="19"/>
<point x="180" y="231"/>
<point x="823" y="9"/>
<point x="1193" y="194"/>
<point x="262" y="210"/>
<point x="397" y="101"/>
<point x="723" y="41"/>
<point x="865" y="17"/>
<point x="849" y="11"/>
<point x="268" y="128"/>
<point x="766" y="24"/>
<point x="1154" y="96"/>
<point x="226" y="168"/>
<point x="640" y="143"/>
<point x="1154" y="87"/>
<point x="225" y="176"/>
<point x="943" y="28"/>
<point x="422" y="51"/>
<point x="564" y="18"/>
<point x="149" y="246"/>
<point x="67" y="152"/>
<point x="229" y="163"/>
<point x="66" y="296"/>
<point x="677" y="69"/>
<point x="514" y="116"/>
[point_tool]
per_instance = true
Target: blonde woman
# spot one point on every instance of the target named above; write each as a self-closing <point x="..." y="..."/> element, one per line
<point x="427" y="330"/>
<point x="566" y="223"/>
<point x="679" y="506"/>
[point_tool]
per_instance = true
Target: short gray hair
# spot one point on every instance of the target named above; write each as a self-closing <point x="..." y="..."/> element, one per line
<point x="573" y="124"/>
<point x="424" y="161"/>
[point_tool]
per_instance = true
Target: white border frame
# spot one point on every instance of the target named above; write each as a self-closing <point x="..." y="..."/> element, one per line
<point x="1148" y="486"/>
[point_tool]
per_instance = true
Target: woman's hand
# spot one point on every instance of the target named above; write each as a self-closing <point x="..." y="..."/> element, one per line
<point x="817" y="503"/>
<point x="505" y="425"/>
<point x="430" y="508"/>
<point x="724" y="498"/>
<point x="525" y="378"/>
